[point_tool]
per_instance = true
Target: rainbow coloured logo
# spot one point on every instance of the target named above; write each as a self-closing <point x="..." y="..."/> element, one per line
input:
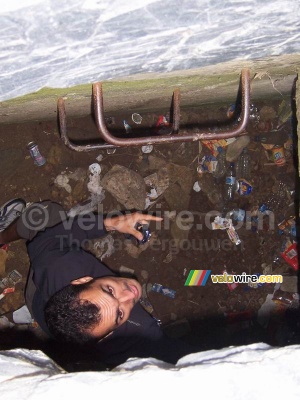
<point x="197" y="277"/>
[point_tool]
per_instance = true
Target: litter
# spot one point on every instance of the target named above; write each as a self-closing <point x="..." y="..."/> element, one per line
<point x="10" y="280"/>
<point x="127" y="127"/>
<point x="63" y="182"/>
<point x="39" y="160"/>
<point x="158" y="288"/>
<point x="136" y="118"/>
<point x="6" y="291"/>
<point x="94" y="187"/>
<point x="226" y="223"/>
<point x="22" y="316"/>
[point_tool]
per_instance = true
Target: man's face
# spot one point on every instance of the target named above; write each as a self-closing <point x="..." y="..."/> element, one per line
<point x="115" y="297"/>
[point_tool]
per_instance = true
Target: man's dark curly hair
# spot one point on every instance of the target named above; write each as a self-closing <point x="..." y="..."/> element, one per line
<point x="69" y="318"/>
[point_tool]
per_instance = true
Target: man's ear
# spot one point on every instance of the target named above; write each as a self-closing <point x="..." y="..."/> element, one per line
<point x="80" y="281"/>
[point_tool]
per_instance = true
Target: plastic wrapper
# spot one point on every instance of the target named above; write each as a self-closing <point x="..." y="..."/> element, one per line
<point x="288" y="226"/>
<point x="244" y="187"/>
<point x="215" y="145"/>
<point x="207" y="164"/>
<point x="290" y="254"/>
<point x="226" y="223"/>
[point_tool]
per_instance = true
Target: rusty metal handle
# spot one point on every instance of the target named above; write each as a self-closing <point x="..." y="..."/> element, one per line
<point x="236" y="131"/>
<point x="63" y="132"/>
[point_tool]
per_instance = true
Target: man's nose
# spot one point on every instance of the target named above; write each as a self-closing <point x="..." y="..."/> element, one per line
<point x="126" y="295"/>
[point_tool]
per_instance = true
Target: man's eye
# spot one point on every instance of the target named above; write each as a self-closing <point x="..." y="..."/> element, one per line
<point x="121" y="314"/>
<point x="110" y="290"/>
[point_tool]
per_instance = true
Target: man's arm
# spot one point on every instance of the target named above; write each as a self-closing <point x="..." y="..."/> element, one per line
<point x="41" y="216"/>
<point x="92" y="226"/>
<point x="126" y="223"/>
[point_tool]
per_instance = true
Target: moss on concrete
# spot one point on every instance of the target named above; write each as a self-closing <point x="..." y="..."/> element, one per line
<point x="271" y="77"/>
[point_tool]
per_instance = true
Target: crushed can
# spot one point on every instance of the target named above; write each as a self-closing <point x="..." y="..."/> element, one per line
<point x="39" y="160"/>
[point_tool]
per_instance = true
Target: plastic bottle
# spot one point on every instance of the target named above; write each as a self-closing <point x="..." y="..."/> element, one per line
<point x="243" y="169"/>
<point x="230" y="183"/>
<point x="221" y="164"/>
<point x="238" y="214"/>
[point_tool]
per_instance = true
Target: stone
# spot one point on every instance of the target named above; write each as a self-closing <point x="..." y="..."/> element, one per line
<point x="55" y="155"/>
<point x="234" y="149"/>
<point x="156" y="162"/>
<point x="127" y="186"/>
<point x="181" y="180"/>
<point x="158" y="181"/>
<point x="181" y="174"/>
<point x="209" y="187"/>
<point x="176" y="198"/>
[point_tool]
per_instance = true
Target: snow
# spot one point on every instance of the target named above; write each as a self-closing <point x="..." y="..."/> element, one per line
<point x="255" y="371"/>
<point x="62" y="43"/>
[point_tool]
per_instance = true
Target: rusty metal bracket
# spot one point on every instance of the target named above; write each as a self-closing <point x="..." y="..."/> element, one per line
<point x="111" y="141"/>
<point x="62" y="120"/>
<point x="186" y="137"/>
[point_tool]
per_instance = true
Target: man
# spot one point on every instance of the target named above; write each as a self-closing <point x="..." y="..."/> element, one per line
<point x="72" y="295"/>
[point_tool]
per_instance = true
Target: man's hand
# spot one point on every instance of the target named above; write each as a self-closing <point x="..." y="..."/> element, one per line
<point x="126" y="223"/>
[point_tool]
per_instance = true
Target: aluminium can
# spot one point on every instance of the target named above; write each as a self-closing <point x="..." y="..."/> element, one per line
<point x="278" y="155"/>
<point x="39" y="160"/>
